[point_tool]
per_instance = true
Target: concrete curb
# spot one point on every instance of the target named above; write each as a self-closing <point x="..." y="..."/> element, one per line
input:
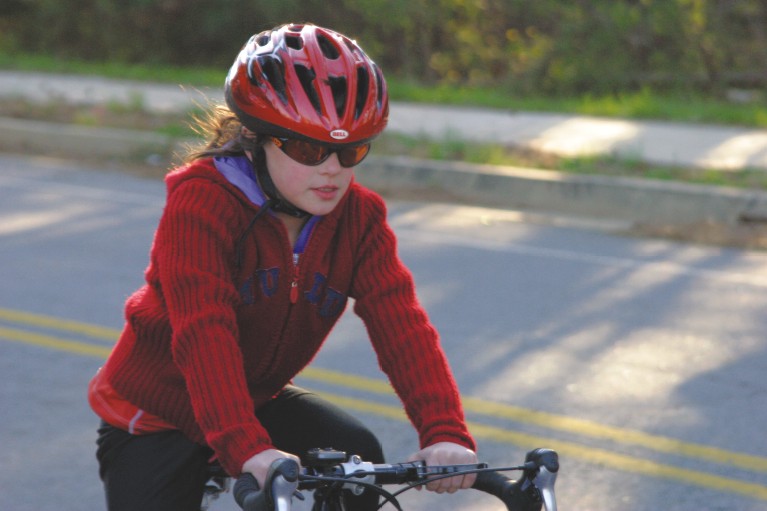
<point x="73" y="141"/>
<point x="633" y="201"/>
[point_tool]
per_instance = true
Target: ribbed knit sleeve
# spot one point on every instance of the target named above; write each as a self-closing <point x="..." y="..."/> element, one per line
<point x="406" y="342"/>
<point x="194" y="250"/>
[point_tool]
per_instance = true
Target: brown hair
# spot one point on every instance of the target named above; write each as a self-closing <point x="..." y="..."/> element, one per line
<point x="222" y="135"/>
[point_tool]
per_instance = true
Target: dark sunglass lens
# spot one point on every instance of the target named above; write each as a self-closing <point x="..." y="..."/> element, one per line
<point x="351" y="156"/>
<point x="306" y="152"/>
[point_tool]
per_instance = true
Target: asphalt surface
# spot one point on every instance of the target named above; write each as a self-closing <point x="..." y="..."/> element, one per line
<point x="658" y="346"/>
<point x="590" y="313"/>
<point x="641" y="361"/>
<point x="608" y="199"/>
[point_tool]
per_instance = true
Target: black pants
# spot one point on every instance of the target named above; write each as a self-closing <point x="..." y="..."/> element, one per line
<point x="167" y="472"/>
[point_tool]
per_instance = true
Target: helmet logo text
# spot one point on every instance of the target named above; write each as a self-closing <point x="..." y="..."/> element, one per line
<point x="339" y="134"/>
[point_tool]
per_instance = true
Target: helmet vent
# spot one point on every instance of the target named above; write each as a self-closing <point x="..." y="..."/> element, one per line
<point x="306" y="77"/>
<point x="379" y="86"/>
<point x="293" y="41"/>
<point x="263" y="39"/>
<point x="327" y="47"/>
<point x="252" y="77"/>
<point x="338" y="87"/>
<point x="363" y="84"/>
<point x="275" y="74"/>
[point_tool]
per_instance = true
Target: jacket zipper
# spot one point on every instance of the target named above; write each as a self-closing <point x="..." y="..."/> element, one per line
<point x="296" y="276"/>
<point x="300" y="248"/>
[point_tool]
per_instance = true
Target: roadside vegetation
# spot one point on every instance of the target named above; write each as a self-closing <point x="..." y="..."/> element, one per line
<point x="642" y="104"/>
<point x="698" y="61"/>
<point x="702" y="61"/>
<point x="134" y="116"/>
<point x="681" y="60"/>
<point x="738" y="107"/>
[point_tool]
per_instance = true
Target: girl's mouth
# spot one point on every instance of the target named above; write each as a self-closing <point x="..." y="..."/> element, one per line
<point x="326" y="192"/>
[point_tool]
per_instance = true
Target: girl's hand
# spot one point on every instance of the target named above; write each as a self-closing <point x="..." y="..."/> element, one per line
<point x="448" y="453"/>
<point x="259" y="464"/>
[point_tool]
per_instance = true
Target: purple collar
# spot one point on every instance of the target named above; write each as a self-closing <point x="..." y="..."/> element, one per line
<point x="238" y="170"/>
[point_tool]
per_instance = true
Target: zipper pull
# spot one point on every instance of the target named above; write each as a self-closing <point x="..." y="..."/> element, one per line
<point x="294" y="283"/>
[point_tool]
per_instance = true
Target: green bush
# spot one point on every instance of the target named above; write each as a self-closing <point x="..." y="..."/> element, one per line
<point x="546" y="47"/>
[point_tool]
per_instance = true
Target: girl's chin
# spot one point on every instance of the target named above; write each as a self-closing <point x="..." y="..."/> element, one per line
<point x="320" y="210"/>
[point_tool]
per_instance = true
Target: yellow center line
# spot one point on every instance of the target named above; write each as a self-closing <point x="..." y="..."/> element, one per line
<point x="473" y="405"/>
<point x="47" y="341"/>
<point x="573" y="450"/>
<point x="562" y="423"/>
<point x="619" y="435"/>
<point x="41" y="321"/>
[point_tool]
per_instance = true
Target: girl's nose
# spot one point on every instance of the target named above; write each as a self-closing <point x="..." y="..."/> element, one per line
<point x="331" y="166"/>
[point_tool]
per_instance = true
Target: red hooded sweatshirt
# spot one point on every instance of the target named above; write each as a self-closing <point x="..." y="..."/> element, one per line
<point x="209" y="340"/>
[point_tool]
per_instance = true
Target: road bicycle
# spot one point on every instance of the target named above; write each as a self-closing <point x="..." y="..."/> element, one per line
<point x="329" y="473"/>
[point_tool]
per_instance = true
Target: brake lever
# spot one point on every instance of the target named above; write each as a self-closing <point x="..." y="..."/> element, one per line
<point x="283" y="490"/>
<point x="542" y="472"/>
<point x="544" y="481"/>
<point x="281" y="483"/>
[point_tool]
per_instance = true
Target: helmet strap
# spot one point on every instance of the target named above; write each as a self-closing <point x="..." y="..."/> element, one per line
<point x="278" y="202"/>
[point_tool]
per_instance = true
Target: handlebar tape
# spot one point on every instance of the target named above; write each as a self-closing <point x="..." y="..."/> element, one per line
<point x="515" y="494"/>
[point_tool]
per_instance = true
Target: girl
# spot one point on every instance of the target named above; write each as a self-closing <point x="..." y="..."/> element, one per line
<point x="264" y="237"/>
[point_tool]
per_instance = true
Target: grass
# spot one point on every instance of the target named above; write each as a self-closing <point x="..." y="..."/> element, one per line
<point x="679" y="106"/>
<point x="117" y="70"/>
<point x="133" y="115"/>
<point x="643" y="104"/>
<point x="458" y="150"/>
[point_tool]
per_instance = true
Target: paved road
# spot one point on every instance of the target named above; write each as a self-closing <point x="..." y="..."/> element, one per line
<point x="664" y="143"/>
<point x="641" y="361"/>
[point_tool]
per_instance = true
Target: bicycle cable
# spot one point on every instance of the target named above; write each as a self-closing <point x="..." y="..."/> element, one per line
<point x="415" y="484"/>
<point x="389" y="498"/>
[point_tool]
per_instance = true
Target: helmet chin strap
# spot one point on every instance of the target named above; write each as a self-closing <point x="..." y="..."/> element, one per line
<point x="278" y="202"/>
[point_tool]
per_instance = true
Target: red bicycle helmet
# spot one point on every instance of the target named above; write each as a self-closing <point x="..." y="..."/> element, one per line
<point x="305" y="81"/>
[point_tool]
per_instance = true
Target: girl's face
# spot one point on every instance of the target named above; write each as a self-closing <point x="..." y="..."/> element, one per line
<point x="315" y="189"/>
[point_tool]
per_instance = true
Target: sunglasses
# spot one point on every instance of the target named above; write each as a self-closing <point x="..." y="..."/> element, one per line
<point x="311" y="154"/>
